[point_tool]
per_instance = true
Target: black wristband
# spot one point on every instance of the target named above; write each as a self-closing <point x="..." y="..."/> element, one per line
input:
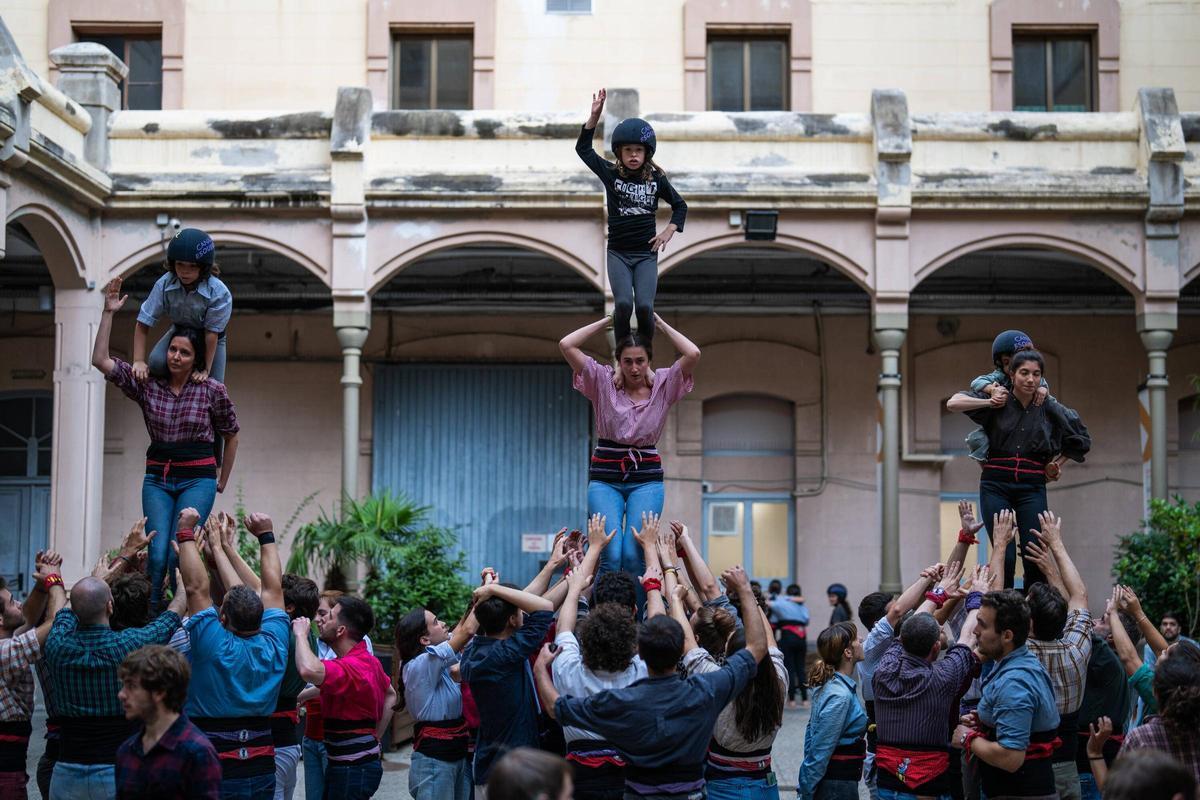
<point x="267" y="537"/>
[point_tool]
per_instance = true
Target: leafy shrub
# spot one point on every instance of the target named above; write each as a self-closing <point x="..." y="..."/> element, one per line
<point x="1162" y="562"/>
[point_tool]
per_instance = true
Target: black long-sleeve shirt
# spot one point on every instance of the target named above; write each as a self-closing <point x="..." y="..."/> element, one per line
<point x="1035" y="432"/>
<point x="631" y="204"/>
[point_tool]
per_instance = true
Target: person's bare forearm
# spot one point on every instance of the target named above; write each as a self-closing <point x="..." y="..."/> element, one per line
<point x="389" y="708"/>
<point x="210" y="345"/>
<point x="231" y="448"/>
<point x="908" y="600"/>
<point x="996" y="755"/>
<point x="245" y="574"/>
<point x="195" y="577"/>
<point x="1076" y="589"/>
<point x="529" y="603"/>
<point x="139" y="341"/>
<point x="308" y="665"/>
<point x="1152" y="635"/>
<point x="101" y="359"/>
<point x="547" y="694"/>
<point x="964" y="402"/>
<point x="753" y="623"/>
<point x="701" y="575"/>
<point x="572" y="344"/>
<point x="1126" y="651"/>
<point x="967" y="634"/>
<point x="689" y="353"/>
<point x="225" y="569"/>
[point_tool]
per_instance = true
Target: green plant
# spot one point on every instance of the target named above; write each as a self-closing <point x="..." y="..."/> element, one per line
<point x="247" y="543"/>
<point x="423" y="571"/>
<point x="1162" y="561"/>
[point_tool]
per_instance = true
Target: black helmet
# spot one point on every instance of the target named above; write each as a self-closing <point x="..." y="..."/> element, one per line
<point x="1008" y="343"/>
<point x="193" y="245"/>
<point x="634" y="131"/>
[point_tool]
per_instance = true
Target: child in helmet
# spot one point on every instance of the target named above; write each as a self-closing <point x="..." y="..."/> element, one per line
<point x="633" y="186"/>
<point x="191" y="296"/>
<point x="997" y="383"/>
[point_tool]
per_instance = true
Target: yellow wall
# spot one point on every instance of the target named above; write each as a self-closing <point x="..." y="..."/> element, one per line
<point x="1160" y="46"/>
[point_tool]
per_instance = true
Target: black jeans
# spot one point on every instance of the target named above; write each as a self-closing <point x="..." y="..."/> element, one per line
<point x="1027" y="500"/>
<point x="633" y="278"/>
<point x="794" y="650"/>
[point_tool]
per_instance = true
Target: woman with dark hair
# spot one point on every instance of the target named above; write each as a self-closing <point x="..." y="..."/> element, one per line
<point x="1028" y="443"/>
<point x="429" y="653"/>
<point x="1176" y="729"/>
<point x="631" y="404"/>
<point x="834" y="747"/>
<point x="527" y="774"/>
<point x="183" y="418"/>
<point x="841" y="607"/>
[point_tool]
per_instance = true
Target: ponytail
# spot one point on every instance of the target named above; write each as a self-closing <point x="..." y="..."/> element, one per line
<point x="831" y="645"/>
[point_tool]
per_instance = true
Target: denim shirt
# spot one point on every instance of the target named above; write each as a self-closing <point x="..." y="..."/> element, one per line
<point x="208" y="307"/>
<point x="837" y="718"/>
<point x="430" y="694"/>
<point x="1018" y="699"/>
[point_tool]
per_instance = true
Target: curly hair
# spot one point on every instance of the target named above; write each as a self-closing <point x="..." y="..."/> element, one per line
<point x="608" y="638"/>
<point x="615" y="587"/>
<point x="831" y="645"/>
<point x="713" y="627"/>
<point x="1177" y="689"/>
<point x="158" y="668"/>
<point x="131" y="601"/>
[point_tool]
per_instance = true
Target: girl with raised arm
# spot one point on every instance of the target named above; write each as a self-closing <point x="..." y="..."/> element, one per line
<point x="183" y="418"/>
<point x="626" y="472"/>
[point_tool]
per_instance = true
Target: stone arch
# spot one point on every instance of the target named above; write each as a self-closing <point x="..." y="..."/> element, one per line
<point x="149" y="253"/>
<point x="383" y="273"/>
<point x="847" y="266"/>
<point x="1128" y="278"/>
<point x="54" y="239"/>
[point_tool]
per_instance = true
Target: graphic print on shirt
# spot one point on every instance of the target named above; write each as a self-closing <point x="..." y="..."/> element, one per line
<point x="636" y="197"/>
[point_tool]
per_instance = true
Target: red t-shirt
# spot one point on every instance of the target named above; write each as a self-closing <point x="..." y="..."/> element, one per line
<point x="355" y="686"/>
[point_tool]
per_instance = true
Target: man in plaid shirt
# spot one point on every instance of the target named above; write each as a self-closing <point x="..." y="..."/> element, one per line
<point x="169" y="758"/>
<point x="21" y="641"/>
<point x="82" y="657"/>
<point x="1061" y="628"/>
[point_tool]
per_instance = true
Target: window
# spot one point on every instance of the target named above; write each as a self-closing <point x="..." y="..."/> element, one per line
<point x="431" y="72"/>
<point x="1053" y="73"/>
<point x="568" y="6"/>
<point x="142" y="89"/>
<point x="25" y="427"/>
<point x="748" y="74"/>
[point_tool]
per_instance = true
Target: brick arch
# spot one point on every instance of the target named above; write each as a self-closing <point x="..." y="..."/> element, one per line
<point x="54" y="239"/>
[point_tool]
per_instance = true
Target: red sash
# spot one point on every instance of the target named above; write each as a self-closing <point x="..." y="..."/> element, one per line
<point x="913" y="768"/>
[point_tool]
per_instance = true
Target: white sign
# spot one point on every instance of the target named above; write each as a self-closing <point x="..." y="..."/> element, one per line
<point x="535" y="543"/>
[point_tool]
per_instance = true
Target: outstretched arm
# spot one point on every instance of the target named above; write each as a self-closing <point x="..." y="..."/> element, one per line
<point x="701" y="575"/>
<point x="1126" y="651"/>
<point x="113" y="300"/>
<point x="1130" y="604"/>
<point x="228" y="544"/>
<point x="572" y="344"/>
<point x="689" y="354"/>
<point x="558" y="557"/>
<point x="647" y="537"/>
<point x="753" y="623"/>
<point x="311" y="668"/>
<point x="191" y="566"/>
<point x="547" y="694"/>
<point x="272" y="571"/>
<point x="1051" y="536"/>
<point x="1002" y="536"/>
<point x="525" y="601"/>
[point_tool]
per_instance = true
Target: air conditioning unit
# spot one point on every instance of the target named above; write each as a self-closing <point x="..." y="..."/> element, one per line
<point x="723" y="519"/>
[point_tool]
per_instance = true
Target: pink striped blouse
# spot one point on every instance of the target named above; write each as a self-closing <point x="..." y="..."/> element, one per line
<point x="620" y="418"/>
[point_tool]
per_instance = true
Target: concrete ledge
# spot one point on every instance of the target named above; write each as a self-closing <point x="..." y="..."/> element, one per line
<point x="220" y="125"/>
<point x="1026" y="127"/>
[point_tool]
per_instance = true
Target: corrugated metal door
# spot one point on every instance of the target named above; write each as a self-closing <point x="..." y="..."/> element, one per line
<point x="495" y="450"/>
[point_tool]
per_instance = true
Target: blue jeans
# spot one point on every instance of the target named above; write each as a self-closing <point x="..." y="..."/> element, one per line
<point x="255" y="788"/>
<point x="433" y="779"/>
<point x="314" y="768"/>
<point x="1088" y="789"/>
<point x="83" y="782"/>
<point x="744" y="789"/>
<point x="622" y="505"/>
<point x="1027" y="500"/>
<point x="162" y="500"/>
<point x="836" y="790"/>
<point x="352" y="782"/>
<point x="892" y="794"/>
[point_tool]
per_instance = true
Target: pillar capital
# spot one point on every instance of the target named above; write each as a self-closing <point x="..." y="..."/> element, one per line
<point x="1156" y="340"/>
<point x="889" y="338"/>
<point x="351" y="337"/>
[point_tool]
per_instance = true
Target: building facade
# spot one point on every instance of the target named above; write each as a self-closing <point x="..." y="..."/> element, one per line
<point x="407" y="233"/>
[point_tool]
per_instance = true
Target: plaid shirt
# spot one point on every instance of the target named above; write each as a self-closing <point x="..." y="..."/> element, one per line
<point x="1154" y="735"/>
<point x="181" y="765"/>
<point x="1066" y="659"/>
<point x="189" y="417"/>
<point x="17" y="654"/>
<point x="83" y="661"/>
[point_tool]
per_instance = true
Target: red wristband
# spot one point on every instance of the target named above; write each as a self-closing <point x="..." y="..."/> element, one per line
<point x="966" y="538"/>
<point x="937" y="596"/>
<point x="53" y="579"/>
<point x="652" y="585"/>
<point x="185" y="535"/>
<point x="972" y="736"/>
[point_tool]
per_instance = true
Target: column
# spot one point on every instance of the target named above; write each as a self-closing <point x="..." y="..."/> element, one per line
<point x="889" y="341"/>
<point x="1156" y="341"/>
<point x="77" y="466"/>
<point x="351" y="337"/>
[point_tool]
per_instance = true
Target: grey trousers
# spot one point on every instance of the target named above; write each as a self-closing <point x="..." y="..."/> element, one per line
<point x="633" y="278"/>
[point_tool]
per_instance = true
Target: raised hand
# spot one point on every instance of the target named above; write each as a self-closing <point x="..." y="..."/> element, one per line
<point x="113" y="299"/>
<point x="578" y="581"/>
<point x="1002" y="528"/>
<point x="649" y="532"/>
<point x="679" y="529"/>
<point x="933" y="572"/>
<point x="136" y="539"/>
<point x="49" y="557"/>
<point x="258" y="523"/>
<point x="653" y="572"/>
<point x="966" y="516"/>
<point x="681" y="593"/>
<point x="1037" y="551"/>
<point x="1129" y="603"/>
<point x="188" y="519"/>
<point x="558" y="551"/>
<point x="735" y="579"/>
<point x="1099" y="731"/>
<point x="598" y="103"/>
<point x="596" y="535"/>
<point x="981" y="578"/>
<point x="953" y="572"/>
<point x="1051" y="532"/>
<point x="301" y="626"/>
<point x="488" y="575"/>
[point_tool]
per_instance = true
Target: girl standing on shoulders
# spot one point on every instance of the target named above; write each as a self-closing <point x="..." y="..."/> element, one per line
<point x="191" y="296"/>
<point x="633" y="187"/>
<point x="183" y="417"/>
<point x="626" y="473"/>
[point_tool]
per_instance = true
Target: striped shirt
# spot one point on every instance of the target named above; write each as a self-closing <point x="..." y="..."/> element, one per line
<point x="916" y="701"/>
<point x="17" y="654"/>
<point x="1066" y="659"/>
<point x="619" y="417"/>
<point x="83" y="661"/>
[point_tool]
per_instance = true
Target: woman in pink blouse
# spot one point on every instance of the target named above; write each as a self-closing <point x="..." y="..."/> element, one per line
<point x="631" y="405"/>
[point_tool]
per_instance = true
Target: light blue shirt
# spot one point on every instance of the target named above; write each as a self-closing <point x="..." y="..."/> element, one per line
<point x="430" y="694"/>
<point x="236" y="676"/>
<point x="786" y="611"/>
<point x="1018" y="699"/>
<point x="837" y="719"/>
<point x="208" y="307"/>
<point x="877" y="643"/>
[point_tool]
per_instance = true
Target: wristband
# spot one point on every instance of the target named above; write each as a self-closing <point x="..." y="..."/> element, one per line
<point x="969" y="737"/>
<point x="185" y="535"/>
<point x="974" y="601"/>
<point x="937" y="596"/>
<point x="265" y="538"/>
<point x="53" y="579"/>
<point x="652" y="585"/>
<point x="119" y="557"/>
<point x="966" y="538"/>
<point x="671" y="569"/>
